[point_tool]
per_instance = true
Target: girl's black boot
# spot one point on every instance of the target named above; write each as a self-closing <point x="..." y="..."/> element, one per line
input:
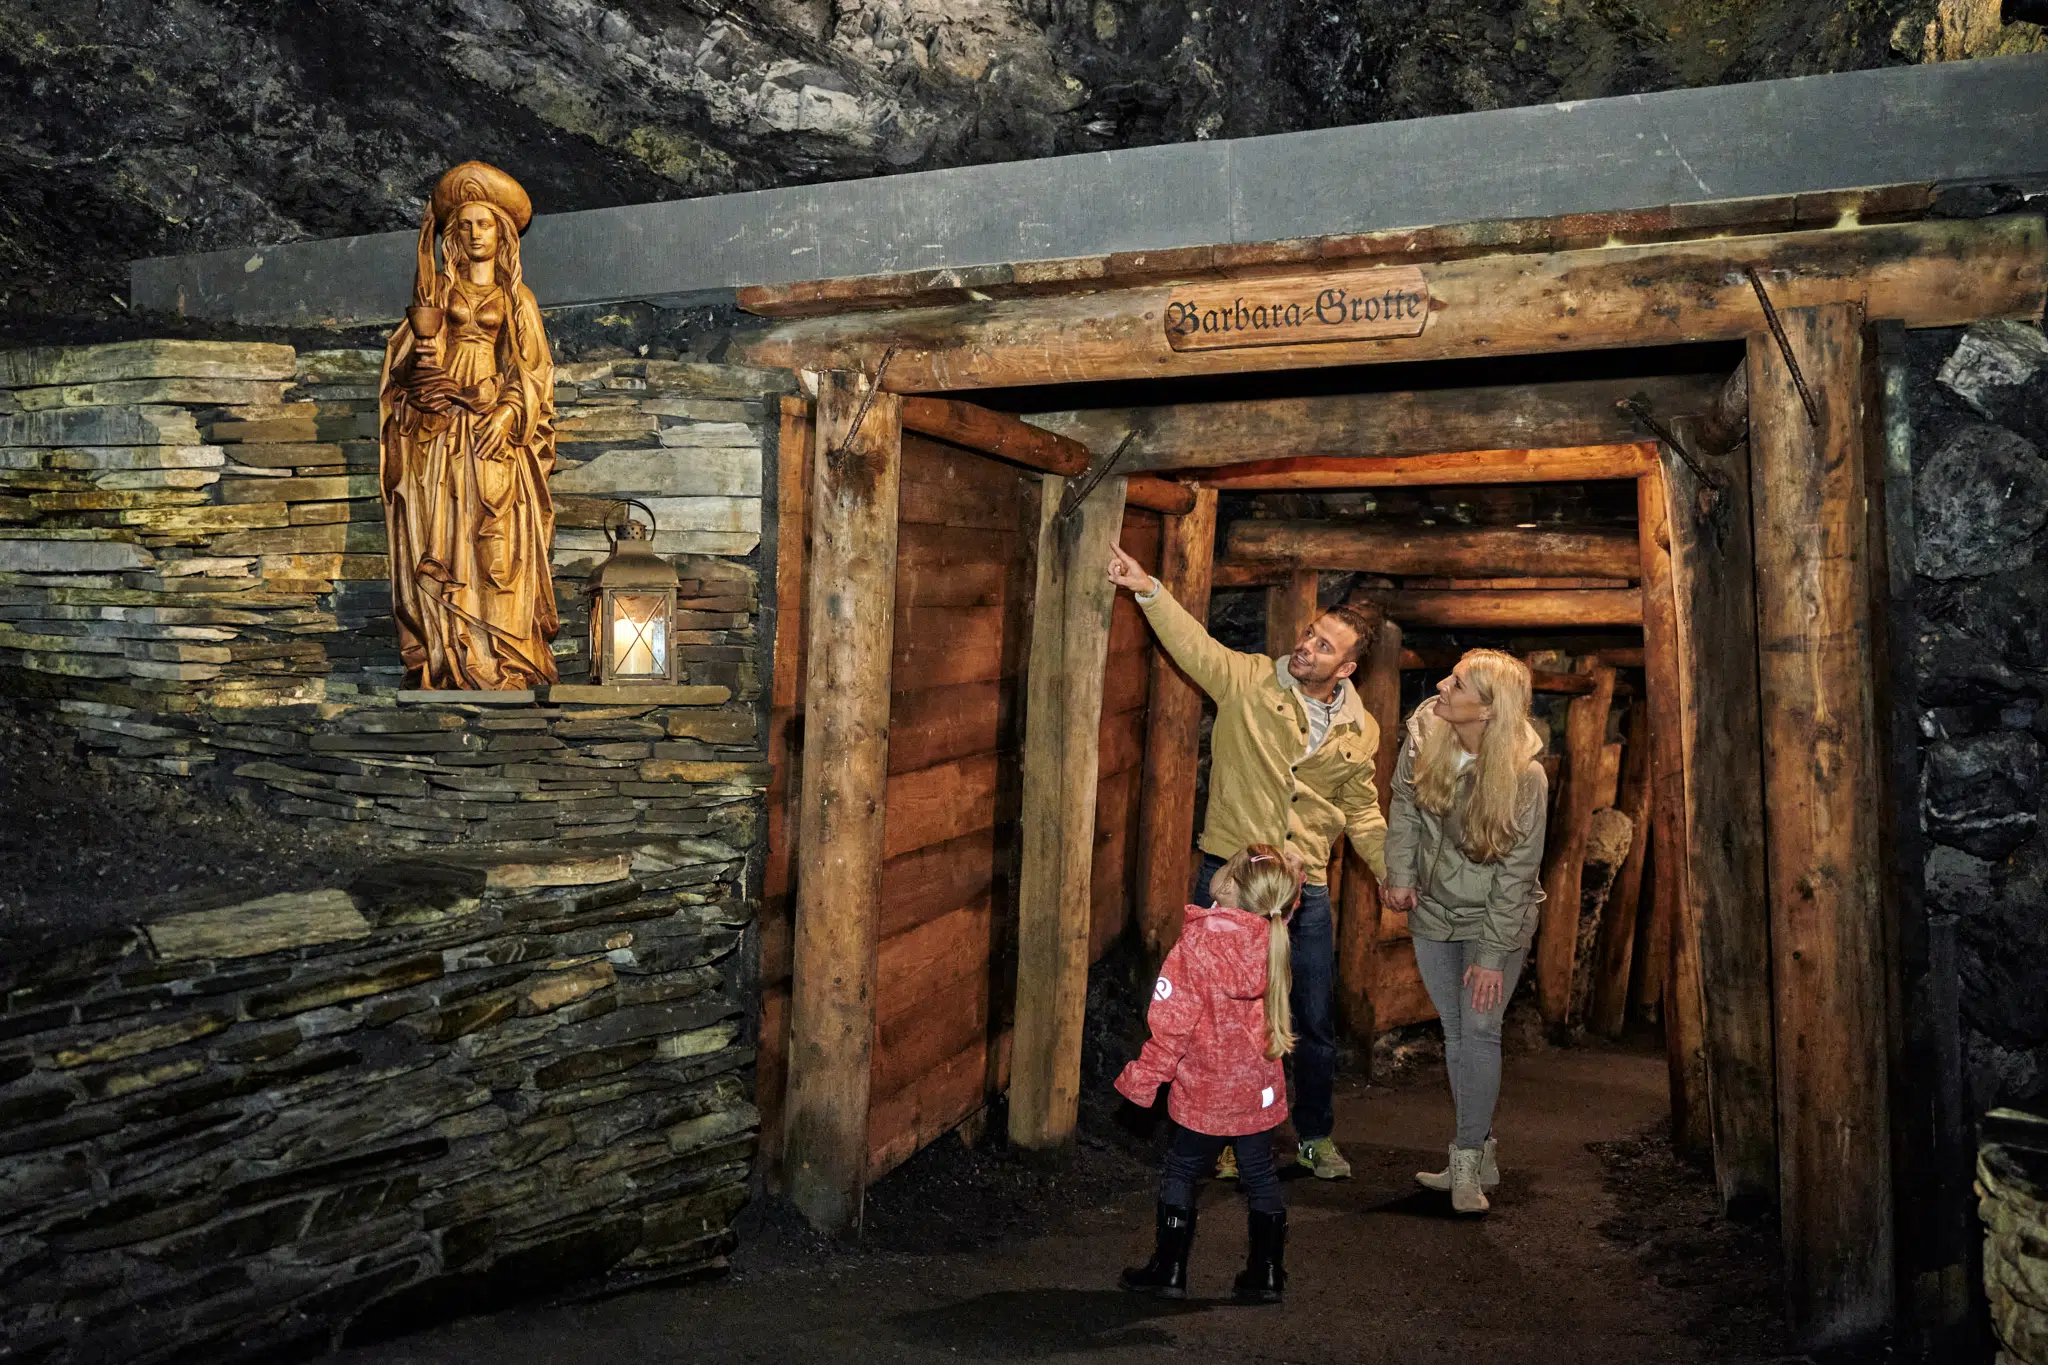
<point x="1265" y="1269"/>
<point x="1166" y="1274"/>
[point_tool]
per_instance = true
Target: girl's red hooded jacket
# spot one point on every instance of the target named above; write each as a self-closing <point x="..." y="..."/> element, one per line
<point x="1208" y="1021"/>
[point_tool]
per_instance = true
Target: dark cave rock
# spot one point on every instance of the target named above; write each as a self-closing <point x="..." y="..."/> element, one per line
<point x="1981" y="791"/>
<point x="1993" y="370"/>
<point x="1999" y="1075"/>
<point x="1956" y="882"/>
<point x="1979" y="504"/>
<point x="1981" y="641"/>
<point x="2003" y="939"/>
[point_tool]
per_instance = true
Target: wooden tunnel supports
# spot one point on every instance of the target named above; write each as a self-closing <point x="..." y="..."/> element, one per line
<point x="1069" y="643"/>
<point x="1166" y="815"/>
<point x="1608" y="1011"/>
<point x="1450" y="551"/>
<point x="994" y="433"/>
<point x="1360" y="954"/>
<point x="1684" y="1026"/>
<point x="1565" y="849"/>
<point x="1510" y="609"/>
<point x="1927" y="274"/>
<point x="851" y="631"/>
<point x="1822" y="782"/>
<point x="1566" y="464"/>
<point x="1713" y="561"/>
<point x="1377" y="425"/>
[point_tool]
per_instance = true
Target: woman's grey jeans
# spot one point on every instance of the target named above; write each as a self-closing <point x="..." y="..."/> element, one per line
<point x="1471" y="1039"/>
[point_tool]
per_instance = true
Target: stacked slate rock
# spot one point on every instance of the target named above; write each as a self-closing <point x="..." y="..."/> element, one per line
<point x="246" y="1131"/>
<point x="1979" y="400"/>
<point x="193" y="574"/>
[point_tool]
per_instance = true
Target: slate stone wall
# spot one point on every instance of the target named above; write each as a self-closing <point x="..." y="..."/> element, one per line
<point x="256" y="1130"/>
<point x="192" y="574"/>
<point x="1979" y="400"/>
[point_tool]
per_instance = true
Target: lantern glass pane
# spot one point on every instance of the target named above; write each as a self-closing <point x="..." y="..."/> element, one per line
<point x="639" y="644"/>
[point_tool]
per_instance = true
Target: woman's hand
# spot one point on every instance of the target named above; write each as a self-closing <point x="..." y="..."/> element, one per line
<point x="1485" y="983"/>
<point x="1126" y="572"/>
<point x="497" y="430"/>
<point x="1398" y="897"/>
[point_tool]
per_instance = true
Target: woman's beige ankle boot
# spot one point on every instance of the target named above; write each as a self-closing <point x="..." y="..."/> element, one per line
<point x="1438" y="1180"/>
<point x="1466" y="1196"/>
<point x="1489" y="1171"/>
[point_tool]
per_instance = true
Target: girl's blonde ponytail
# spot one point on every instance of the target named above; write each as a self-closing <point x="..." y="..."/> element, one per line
<point x="1266" y="882"/>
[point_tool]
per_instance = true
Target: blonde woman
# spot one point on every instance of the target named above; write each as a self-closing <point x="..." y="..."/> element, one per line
<point x="1220" y="1025"/>
<point x="1464" y="846"/>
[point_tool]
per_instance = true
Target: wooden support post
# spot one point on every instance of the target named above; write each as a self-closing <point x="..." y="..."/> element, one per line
<point x="1173" y="728"/>
<point x="1713" y="564"/>
<point x="1291" y="605"/>
<point x="1358" y="923"/>
<point x="1069" y="643"/>
<point x="1822" y="785"/>
<point x="1684" y="1026"/>
<point x="850" y="630"/>
<point x="1557" y="944"/>
<point x="1618" y="929"/>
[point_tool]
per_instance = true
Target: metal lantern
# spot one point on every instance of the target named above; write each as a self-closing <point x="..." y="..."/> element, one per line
<point x="632" y="606"/>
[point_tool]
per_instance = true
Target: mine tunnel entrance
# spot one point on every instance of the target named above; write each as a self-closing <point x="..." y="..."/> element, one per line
<point x="1260" y="501"/>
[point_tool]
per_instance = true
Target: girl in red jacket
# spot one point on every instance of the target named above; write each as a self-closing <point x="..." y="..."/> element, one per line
<point x="1219" y="1022"/>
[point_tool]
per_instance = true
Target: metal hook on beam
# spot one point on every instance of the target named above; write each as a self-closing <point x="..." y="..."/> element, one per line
<point x="1784" y="346"/>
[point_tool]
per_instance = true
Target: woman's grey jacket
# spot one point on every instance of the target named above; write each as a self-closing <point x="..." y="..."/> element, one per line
<point x="1458" y="899"/>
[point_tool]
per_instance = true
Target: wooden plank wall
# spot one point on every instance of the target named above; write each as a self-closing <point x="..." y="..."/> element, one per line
<point x="945" y="965"/>
<point x="949" y="909"/>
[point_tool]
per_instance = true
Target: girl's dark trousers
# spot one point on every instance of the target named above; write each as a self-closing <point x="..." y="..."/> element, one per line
<point x="1191" y="1155"/>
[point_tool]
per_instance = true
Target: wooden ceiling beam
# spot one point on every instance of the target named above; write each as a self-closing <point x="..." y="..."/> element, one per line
<point x="988" y="432"/>
<point x="1379" y="425"/>
<point x="1567" y="464"/>
<point x="1928" y="274"/>
<point x="1449" y="551"/>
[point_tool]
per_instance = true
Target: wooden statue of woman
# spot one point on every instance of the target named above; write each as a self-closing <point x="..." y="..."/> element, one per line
<point x="467" y="410"/>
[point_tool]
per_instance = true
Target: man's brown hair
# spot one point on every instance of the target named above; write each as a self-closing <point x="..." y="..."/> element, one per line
<point x="1364" y="619"/>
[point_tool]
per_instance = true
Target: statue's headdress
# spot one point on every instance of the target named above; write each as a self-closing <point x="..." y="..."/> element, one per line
<point x="472" y="182"/>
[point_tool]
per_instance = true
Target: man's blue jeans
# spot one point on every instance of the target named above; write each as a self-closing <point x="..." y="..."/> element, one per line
<point x="1312" y="946"/>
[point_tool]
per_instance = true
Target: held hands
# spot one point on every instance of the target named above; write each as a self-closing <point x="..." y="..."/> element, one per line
<point x="1398" y="897"/>
<point x="1126" y="572"/>
<point x="1485" y="983"/>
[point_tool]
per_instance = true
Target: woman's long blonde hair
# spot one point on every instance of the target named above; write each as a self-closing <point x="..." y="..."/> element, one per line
<point x="1487" y="829"/>
<point x="1265" y="882"/>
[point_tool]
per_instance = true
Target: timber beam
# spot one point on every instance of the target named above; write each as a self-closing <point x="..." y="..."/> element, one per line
<point x="1380" y="425"/>
<point x="1556" y="464"/>
<point x="1452" y="551"/>
<point x="1507" y="610"/>
<point x="1937" y="273"/>
<point x="988" y="432"/>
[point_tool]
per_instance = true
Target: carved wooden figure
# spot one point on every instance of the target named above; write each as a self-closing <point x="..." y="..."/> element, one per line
<point x="466" y="411"/>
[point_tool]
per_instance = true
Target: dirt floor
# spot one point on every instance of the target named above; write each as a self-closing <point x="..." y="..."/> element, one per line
<point x="1602" y="1247"/>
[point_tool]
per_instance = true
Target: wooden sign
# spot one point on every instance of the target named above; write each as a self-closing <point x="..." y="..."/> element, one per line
<point x="1288" y="312"/>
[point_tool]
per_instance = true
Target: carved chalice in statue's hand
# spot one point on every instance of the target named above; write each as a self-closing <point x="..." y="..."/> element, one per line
<point x="432" y="390"/>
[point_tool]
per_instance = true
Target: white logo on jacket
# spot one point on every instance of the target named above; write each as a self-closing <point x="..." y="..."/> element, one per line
<point x="1162" y="989"/>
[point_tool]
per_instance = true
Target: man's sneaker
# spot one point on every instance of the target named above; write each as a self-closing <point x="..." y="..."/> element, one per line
<point x="1226" y="1164"/>
<point x="1321" y="1156"/>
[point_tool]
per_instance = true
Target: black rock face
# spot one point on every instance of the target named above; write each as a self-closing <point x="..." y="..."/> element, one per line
<point x="1980" y="653"/>
<point x="1981" y="792"/>
<point x="1980" y="503"/>
<point x="151" y="127"/>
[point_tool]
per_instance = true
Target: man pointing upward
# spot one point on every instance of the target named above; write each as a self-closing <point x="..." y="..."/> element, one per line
<point x="1291" y="764"/>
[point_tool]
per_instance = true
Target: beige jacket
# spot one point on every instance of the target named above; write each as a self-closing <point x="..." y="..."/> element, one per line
<point x="1264" y="785"/>
<point x="1459" y="900"/>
